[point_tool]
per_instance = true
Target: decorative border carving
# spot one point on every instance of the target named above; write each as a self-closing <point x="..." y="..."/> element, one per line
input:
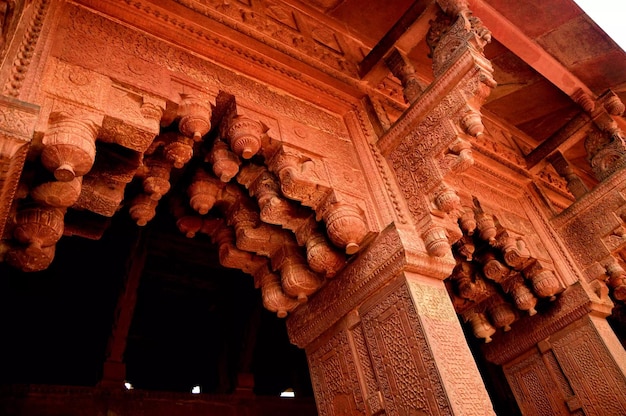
<point x="381" y="261"/>
<point x="26" y="50"/>
<point x="571" y="305"/>
<point x="17" y="124"/>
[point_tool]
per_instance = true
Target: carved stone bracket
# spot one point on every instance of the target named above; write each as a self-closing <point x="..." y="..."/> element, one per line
<point x="17" y="123"/>
<point x="195" y="116"/>
<point x="500" y="275"/>
<point x="275" y="209"/>
<point x="299" y="180"/>
<point x="37" y="229"/>
<point x="605" y="143"/>
<point x="69" y="145"/>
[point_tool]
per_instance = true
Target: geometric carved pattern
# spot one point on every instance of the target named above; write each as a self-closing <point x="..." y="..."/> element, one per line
<point x="333" y="374"/>
<point x="586" y="361"/>
<point x="401" y="356"/>
<point x="446" y="339"/>
<point x="529" y="380"/>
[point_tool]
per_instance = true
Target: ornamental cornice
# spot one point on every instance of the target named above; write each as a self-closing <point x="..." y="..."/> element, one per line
<point x="591" y="199"/>
<point x="391" y="254"/>
<point x="333" y="82"/>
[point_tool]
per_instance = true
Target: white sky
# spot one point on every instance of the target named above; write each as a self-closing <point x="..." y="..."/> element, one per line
<point x="610" y="15"/>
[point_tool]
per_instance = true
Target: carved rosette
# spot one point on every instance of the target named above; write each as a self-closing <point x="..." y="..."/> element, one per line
<point x="195" y="120"/>
<point x="225" y="163"/>
<point x="58" y="194"/>
<point x="345" y="225"/>
<point x="69" y="146"/>
<point x="244" y="136"/>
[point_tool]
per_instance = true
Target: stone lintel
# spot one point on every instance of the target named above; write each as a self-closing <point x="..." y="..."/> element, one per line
<point x="574" y="303"/>
<point x="392" y="252"/>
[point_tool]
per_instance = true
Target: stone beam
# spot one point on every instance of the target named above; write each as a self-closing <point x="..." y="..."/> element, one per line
<point x="527" y="50"/>
<point x="404" y="35"/>
<point x="561" y="139"/>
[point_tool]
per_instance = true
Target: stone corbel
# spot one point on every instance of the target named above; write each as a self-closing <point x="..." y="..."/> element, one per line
<point x="224" y="162"/>
<point x="402" y="68"/>
<point x="452" y="38"/>
<point x="156" y="181"/>
<point x="502" y="314"/>
<point x="69" y="144"/>
<point x="178" y="149"/>
<point x="543" y="280"/>
<point x="514" y="250"/>
<point x="522" y="296"/>
<point x="297" y="279"/>
<point x="142" y="209"/>
<point x="301" y="177"/>
<point x="17" y="125"/>
<point x="275" y="209"/>
<point x="58" y="194"/>
<point x="345" y="224"/>
<point x="606" y="143"/>
<point x="103" y="187"/>
<point x="481" y="327"/>
<point x="204" y="192"/>
<point x="37" y="230"/>
<point x="195" y="115"/>
<point x="132" y="120"/>
<point x="616" y="279"/>
<point x="245" y="136"/>
<point x="273" y="295"/>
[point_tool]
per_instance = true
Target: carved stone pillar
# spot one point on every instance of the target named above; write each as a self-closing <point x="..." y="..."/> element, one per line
<point x="382" y="338"/>
<point x="566" y="362"/>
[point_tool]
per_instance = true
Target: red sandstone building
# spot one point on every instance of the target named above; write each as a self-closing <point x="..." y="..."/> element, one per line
<point x="431" y="195"/>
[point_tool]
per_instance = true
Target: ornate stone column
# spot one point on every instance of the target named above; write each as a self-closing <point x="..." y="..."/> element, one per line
<point x="566" y="361"/>
<point x="383" y="338"/>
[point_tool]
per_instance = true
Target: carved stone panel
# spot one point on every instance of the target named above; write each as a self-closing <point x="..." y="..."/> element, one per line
<point x="334" y="377"/>
<point x="463" y="385"/>
<point x="530" y="380"/>
<point x="595" y="366"/>
<point x="402" y="360"/>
